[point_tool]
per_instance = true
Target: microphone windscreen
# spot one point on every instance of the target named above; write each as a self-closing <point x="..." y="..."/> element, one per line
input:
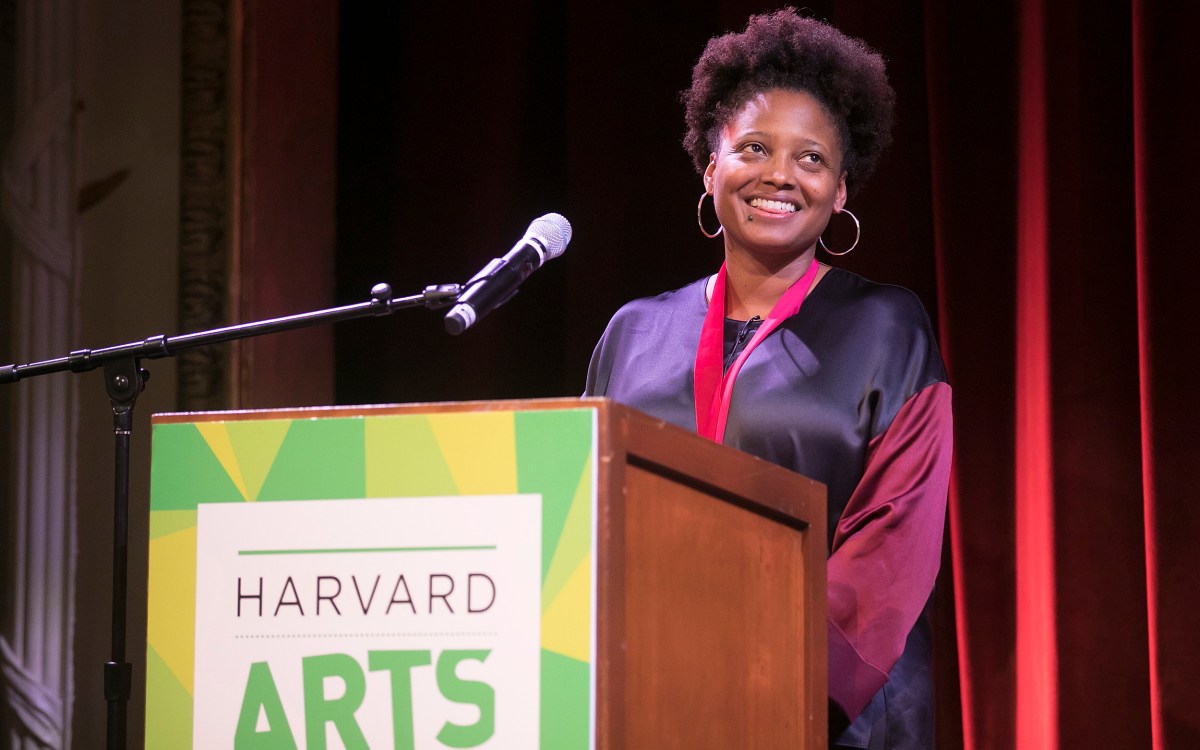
<point x="553" y="232"/>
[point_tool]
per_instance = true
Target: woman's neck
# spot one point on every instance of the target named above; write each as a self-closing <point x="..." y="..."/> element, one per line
<point x="753" y="285"/>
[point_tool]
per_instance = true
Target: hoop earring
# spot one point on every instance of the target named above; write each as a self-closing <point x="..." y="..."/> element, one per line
<point x="857" y="235"/>
<point x="700" y="221"/>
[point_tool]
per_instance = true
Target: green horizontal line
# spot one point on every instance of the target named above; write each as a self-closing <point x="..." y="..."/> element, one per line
<point x="351" y="550"/>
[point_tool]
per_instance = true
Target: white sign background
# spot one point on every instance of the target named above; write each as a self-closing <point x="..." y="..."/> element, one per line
<point x="356" y="541"/>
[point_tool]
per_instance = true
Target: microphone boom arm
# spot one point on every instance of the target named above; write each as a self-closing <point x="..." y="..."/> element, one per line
<point x="156" y="347"/>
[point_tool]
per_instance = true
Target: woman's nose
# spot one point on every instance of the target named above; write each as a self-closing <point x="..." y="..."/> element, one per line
<point x="778" y="173"/>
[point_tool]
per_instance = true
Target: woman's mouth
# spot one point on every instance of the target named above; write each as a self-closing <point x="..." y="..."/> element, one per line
<point x="776" y="206"/>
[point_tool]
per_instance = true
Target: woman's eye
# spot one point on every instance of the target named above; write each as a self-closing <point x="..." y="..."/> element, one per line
<point x="812" y="159"/>
<point x="754" y="148"/>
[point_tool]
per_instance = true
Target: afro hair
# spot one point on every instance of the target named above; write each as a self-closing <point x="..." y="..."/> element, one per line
<point x="784" y="50"/>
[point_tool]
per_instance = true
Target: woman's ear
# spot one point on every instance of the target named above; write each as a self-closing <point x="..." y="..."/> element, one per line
<point x="708" y="172"/>
<point x="840" y="201"/>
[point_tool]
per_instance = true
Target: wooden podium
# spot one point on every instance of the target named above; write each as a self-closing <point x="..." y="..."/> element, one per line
<point x="709" y="578"/>
<point x="712" y="600"/>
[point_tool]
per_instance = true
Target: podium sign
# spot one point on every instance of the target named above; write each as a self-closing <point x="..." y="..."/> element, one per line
<point x="367" y="578"/>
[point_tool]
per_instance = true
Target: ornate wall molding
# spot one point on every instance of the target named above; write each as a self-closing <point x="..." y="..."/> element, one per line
<point x="258" y="193"/>
<point x="207" y="225"/>
<point x="38" y="712"/>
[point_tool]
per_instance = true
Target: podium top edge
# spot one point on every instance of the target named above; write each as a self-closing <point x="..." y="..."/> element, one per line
<point x="323" y="412"/>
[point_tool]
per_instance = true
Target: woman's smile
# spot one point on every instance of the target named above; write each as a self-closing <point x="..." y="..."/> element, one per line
<point x="773" y="206"/>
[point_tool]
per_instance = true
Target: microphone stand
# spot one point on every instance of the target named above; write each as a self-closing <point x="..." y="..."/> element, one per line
<point x="124" y="379"/>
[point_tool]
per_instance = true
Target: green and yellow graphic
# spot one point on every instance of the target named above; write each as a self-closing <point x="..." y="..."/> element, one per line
<point x="549" y="452"/>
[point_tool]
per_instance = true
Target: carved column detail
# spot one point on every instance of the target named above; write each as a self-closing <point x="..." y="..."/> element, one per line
<point x="38" y="185"/>
<point x="206" y="197"/>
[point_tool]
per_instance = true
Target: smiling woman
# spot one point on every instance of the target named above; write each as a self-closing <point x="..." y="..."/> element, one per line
<point x="775" y="177"/>
<point x="837" y="377"/>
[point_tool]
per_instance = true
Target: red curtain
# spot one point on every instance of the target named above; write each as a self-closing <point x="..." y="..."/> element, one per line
<point x="1061" y="184"/>
<point x="1167" y="155"/>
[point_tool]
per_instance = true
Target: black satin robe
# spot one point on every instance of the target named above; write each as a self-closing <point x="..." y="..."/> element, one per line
<point x="849" y="391"/>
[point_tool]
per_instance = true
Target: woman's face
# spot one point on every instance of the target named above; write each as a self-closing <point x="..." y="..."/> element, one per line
<point x="777" y="175"/>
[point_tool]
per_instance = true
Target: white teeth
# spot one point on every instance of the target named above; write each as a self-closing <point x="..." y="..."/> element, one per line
<point x="773" y="205"/>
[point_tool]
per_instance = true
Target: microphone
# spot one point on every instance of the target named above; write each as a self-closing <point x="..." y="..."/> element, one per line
<point x="497" y="282"/>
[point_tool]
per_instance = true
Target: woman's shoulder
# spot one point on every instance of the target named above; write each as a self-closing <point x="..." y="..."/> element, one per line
<point x="659" y="330"/>
<point x="883" y="321"/>
<point x="854" y="294"/>
<point x="689" y="298"/>
<point x="851" y="287"/>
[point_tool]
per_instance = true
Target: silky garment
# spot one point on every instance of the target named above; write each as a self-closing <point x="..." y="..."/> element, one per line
<point x="849" y="391"/>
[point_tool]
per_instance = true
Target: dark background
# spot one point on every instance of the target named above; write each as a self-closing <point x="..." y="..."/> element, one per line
<point x="456" y="128"/>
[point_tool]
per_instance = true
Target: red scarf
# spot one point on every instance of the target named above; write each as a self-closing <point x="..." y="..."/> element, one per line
<point x="714" y="388"/>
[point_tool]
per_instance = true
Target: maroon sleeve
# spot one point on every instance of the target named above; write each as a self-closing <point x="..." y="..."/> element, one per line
<point x="887" y="547"/>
